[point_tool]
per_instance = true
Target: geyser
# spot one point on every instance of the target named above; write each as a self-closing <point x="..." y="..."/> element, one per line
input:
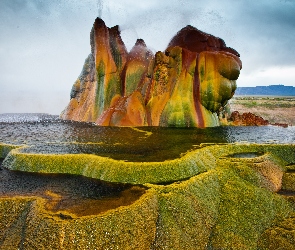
<point x="184" y="86"/>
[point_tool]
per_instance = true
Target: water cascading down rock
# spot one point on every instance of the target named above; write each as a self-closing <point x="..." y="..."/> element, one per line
<point x="185" y="86"/>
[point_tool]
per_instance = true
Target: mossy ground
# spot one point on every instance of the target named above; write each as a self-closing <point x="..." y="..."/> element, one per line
<point x="225" y="202"/>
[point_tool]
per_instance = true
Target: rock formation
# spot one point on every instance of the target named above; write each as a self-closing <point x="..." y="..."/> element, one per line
<point x="184" y="86"/>
<point x="247" y="119"/>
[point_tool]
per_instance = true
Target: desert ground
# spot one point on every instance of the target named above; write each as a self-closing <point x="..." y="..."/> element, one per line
<point x="275" y="109"/>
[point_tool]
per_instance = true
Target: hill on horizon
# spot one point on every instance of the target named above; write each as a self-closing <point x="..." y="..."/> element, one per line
<point x="277" y="90"/>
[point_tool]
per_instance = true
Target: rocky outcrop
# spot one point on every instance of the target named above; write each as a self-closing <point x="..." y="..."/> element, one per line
<point x="99" y="82"/>
<point x="247" y="119"/>
<point x="129" y="108"/>
<point x="250" y="119"/>
<point x="185" y="86"/>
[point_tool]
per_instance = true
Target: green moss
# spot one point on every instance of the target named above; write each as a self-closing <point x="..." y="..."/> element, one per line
<point x="107" y="169"/>
<point x="222" y="206"/>
<point x="285" y="154"/>
<point x="288" y="182"/>
<point x="187" y="213"/>
<point x="208" y="98"/>
<point x="245" y="212"/>
<point x="176" y="119"/>
<point x="13" y="213"/>
<point x="28" y="226"/>
<point x="6" y="148"/>
<point x="281" y="236"/>
<point x="190" y="164"/>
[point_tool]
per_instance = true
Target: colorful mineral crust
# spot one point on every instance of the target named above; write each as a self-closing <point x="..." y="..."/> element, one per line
<point x="185" y="86"/>
<point x="223" y="196"/>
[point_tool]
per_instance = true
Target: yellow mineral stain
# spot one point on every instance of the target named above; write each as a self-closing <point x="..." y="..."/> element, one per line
<point x="147" y="133"/>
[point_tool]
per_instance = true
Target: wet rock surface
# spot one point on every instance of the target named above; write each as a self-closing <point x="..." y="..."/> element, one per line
<point x="69" y="194"/>
<point x="246" y="155"/>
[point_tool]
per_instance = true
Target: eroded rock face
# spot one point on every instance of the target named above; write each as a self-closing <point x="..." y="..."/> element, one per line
<point x="185" y="86"/>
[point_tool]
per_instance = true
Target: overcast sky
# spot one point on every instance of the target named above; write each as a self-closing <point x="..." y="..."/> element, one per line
<point x="43" y="44"/>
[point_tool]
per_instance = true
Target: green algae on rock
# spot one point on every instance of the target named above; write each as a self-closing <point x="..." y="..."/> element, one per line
<point x="279" y="236"/>
<point x="6" y="148"/>
<point x="231" y="204"/>
<point x="216" y="209"/>
<point x="77" y="195"/>
<point x="212" y="196"/>
<point x="107" y="169"/>
<point x="288" y="182"/>
<point x="25" y="224"/>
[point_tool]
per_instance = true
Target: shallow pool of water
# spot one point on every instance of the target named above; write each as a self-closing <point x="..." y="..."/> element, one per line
<point x="52" y="135"/>
<point x="72" y="194"/>
<point x="246" y="155"/>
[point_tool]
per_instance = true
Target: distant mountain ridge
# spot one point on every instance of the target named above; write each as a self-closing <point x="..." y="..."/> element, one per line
<point x="279" y="90"/>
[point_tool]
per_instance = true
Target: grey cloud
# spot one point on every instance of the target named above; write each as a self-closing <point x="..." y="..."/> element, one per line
<point x="43" y="43"/>
<point x="268" y="31"/>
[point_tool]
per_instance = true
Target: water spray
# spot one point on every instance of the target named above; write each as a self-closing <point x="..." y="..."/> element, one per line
<point x="99" y="8"/>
